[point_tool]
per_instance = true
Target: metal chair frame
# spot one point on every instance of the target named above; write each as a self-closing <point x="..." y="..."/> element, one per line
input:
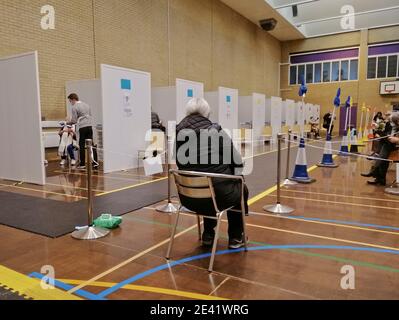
<point x="199" y="185"/>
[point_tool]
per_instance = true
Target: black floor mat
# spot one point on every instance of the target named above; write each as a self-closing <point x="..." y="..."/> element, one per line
<point x="54" y="218"/>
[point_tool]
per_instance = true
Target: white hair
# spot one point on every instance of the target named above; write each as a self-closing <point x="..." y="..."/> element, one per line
<point x="198" y="106"/>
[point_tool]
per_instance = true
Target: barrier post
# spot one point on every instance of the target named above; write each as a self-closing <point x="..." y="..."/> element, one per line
<point x="287" y="181"/>
<point x="169" y="207"/>
<point x="278" y="207"/>
<point x="90" y="232"/>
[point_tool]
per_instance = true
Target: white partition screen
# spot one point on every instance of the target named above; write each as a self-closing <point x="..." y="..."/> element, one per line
<point x="228" y="108"/>
<point x="290" y="113"/>
<point x="185" y="91"/>
<point x="258" y="115"/>
<point x="22" y="152"/>
<point x="126" y="97"/>
<point x="275" y="120"/>
<point x="301" y="115"/>
<point x="245" y="106"/>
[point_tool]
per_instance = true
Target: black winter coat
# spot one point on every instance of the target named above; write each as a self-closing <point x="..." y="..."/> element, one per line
<point x="192" y="155"/>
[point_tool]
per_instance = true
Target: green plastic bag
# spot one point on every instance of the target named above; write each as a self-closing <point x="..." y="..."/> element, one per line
<point x="107" y="221"/>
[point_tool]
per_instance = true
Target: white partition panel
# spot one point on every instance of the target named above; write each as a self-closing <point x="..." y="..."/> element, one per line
<point x="276" y="111"/>
<point x="228" y="108"/>
<point x="290" y="113"/>
<point x="22" y="152"/>
<point x="268" y="110"/>
<point x="308" y="112"/>
<point x="245" y="110"/>
<point x="315" y="117"/>
<point x="284" y="112"/>
<point x="300" y="115"/>
<point x="126" y="97"/>
<point x="258" y="115"/>
<point x="185" y="91"/>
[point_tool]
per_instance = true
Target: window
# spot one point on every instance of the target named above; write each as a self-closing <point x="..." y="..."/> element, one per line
<point x="326" y="71"/>
<point x="371" y="70"/>
<point x="354" y="70"/>
<point x="301" y="73"/>
<point x="309" y="73"/>
<point x="382" y="67"/>
<point x="344" y="70"/>
<point x="392" y="64"/>
<point x="335" y="71"/>
<point x="317" y="73"/>
<point x="293" y="70"/>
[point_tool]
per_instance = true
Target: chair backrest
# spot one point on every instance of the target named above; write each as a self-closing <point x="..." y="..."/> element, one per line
<point x="285" y="129"/>
<point x="267" y="131"/>
<point x="193" y="187"/>
<point x="308" y="128"/>
<point x="296" y="128"/>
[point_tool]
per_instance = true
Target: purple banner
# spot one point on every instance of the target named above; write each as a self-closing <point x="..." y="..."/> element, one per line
<point x="384" y="49"/>
<point x="325" y="56"/>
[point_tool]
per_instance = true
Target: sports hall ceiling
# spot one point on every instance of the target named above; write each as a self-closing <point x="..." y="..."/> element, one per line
<point x="318" y="17"/>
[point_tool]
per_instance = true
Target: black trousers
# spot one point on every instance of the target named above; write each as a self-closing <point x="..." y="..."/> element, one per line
<point x="84" y="134"/>
<point x="234" y="218"/>
<point x="380" y="168"/>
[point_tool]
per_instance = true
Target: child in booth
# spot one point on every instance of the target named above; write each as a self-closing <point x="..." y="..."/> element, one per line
<point x="68" y="143"/>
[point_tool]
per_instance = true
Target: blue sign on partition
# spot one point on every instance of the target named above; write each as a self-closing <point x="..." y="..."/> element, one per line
<point x="126" y="84"/>
<point x="228" y="99"/>
<point x="190" y="93"/>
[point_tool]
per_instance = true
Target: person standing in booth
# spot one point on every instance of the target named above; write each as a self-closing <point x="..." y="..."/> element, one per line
<point x="82" y="118"/>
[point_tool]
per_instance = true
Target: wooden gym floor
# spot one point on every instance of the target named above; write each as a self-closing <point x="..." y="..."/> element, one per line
<point x="338" y="221"/>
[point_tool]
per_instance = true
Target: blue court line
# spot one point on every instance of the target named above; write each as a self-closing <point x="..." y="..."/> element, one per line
<point x="207" y="255"/>
<point x="352" y="223"/>
<point x="67" y="287"/>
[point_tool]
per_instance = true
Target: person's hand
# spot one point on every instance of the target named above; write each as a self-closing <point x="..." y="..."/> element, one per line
<point x="393" y="140"/>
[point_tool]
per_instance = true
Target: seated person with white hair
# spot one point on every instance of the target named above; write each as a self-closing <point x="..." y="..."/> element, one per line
<point x="215" y="153"/>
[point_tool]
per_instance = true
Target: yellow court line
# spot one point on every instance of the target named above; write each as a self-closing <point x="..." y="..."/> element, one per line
<point x="43" y="191"/>
<point x="97" y="176"/>
<point x="322" y="237"/>
<point x="29" y="287"/>
<point x="326" y="223"/>
<point x="126" y="262"/>
<point x="71" y="187"/>
<point x="338" y="202"/>
<point x="339" y="195"/>
<point x="170" y="292"/>
<point x="131" y="187"/>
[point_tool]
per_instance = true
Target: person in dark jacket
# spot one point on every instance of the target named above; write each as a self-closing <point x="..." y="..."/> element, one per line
<point x="156" y="122"/>
<point x="203" y="146"/>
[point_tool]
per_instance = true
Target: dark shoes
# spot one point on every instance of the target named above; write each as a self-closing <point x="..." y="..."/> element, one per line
<point x="366" y="175"/>
<point x="207" y="239"/>
<point x="377" y="182"/>
<point x="234" y="243"/>
<point x="237" y="243"/>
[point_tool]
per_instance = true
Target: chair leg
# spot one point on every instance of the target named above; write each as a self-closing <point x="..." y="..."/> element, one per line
<point x="172" y="238"/>
<point x="215" y="242"/>
<point x="244" y="228"/>
<point x="199" y="228"/>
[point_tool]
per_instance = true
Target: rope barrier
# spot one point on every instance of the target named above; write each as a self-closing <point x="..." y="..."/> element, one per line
<point x="347" y="153"/>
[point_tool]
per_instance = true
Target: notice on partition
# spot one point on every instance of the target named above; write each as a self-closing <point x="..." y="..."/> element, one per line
<point x="228" y="100"/>
<point x="127" y="92"/>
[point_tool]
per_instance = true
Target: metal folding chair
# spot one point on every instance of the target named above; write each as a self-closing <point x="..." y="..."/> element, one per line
<point x="199" y="185"/>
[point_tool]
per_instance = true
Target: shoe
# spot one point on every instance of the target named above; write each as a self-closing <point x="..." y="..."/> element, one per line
<point x="63" y="162"/>
<point x="207" y="239"/>
<point x="377" y="183"/>
<point x="73" y="162"/>
<point x="366" y="175"/>
<point x="96" y="166"/>
<point x="81" y="168"/>
<point x="237" y="243"/>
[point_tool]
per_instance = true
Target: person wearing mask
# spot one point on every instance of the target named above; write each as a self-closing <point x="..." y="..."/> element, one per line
<point x="82" y="118"/>
<point x="379" y="170"/>
<point x="228" y="192"/>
